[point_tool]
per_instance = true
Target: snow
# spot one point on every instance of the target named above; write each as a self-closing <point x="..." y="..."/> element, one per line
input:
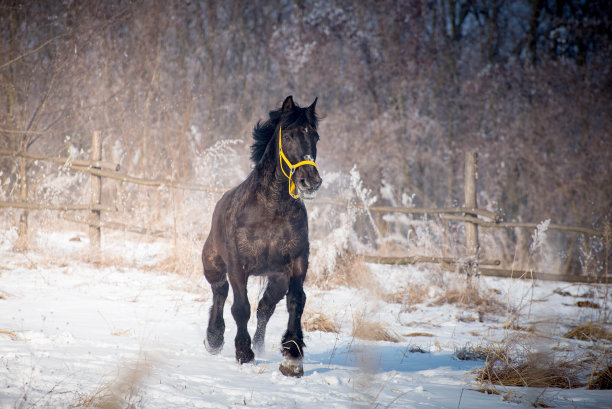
<point x="73" y="330"/>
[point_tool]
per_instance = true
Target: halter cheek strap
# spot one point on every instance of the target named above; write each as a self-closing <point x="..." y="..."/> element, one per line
<point x="292" y="167"/>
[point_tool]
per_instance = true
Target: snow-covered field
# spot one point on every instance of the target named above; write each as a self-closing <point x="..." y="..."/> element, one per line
<point x="120" y="334"/>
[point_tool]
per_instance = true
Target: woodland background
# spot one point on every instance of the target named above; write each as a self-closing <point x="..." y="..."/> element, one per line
<point x="404" y="88"/>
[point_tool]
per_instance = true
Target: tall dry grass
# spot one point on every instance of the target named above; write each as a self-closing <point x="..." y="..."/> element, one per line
<point x="120" y="392"/>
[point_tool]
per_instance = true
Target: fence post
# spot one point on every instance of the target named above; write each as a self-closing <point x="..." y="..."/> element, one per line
<point x="96" y="195"/>
<point x="23" y="197"/>
<point x="471" y="229"/>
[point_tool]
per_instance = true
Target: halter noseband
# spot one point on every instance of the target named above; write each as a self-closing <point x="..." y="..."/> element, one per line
<point x="291" y="166"/>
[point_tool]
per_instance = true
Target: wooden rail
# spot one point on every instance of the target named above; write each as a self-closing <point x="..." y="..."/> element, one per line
<point x="68" y="162"/>
<point x="470" y="213"/>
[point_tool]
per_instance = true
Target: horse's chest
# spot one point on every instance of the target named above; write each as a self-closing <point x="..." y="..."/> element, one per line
<point x="263" y="247"/>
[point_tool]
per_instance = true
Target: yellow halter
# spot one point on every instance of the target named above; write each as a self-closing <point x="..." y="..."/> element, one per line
<point x="291" y="167"/>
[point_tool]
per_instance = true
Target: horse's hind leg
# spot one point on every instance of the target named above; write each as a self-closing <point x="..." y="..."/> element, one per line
<point x="215" y="273"/>
<point x="275" y="291"/>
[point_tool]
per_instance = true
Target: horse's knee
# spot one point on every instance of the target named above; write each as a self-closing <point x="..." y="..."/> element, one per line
<point x="296" y="299"/>
<point x="220" y="288"/>
<point x="241" y="311"/>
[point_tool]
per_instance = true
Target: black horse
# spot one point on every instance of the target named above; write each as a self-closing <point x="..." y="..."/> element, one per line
<point x="260" y="228"/>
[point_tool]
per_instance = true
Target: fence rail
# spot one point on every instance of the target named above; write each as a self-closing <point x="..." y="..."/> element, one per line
<point x="469" y="214"/>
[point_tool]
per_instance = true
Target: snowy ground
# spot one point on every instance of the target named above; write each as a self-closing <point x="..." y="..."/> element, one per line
<point x="80" y="334"/>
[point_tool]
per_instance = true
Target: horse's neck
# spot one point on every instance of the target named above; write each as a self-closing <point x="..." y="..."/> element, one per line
<point x="274" y="184"/>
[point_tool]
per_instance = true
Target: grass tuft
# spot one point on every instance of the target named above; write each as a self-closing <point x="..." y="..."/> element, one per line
<point x="12" y="335"/>
<point x="472" y="353"/>
<point x="534" y="369"/>
<point x="468" y="295"/>
<point x="587" y="304"/>
<point x="589" y="331"/>
<point x="319" y="322"/>
<point x="121" y="392"/>
<point x="373" y="331"/>
<point x="602" y="379"/>
<point x="419" y="334"/>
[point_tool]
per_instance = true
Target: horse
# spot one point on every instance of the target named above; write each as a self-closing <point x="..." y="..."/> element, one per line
<point x="260" y="228"/>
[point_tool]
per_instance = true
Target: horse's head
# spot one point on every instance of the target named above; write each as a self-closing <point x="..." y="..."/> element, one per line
<point x="297" y="144"/>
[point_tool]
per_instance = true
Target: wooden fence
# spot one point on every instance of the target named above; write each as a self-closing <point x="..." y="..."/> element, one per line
<point x="470" y="214"/>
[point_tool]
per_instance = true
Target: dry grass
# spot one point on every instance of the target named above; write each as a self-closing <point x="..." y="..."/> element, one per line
<point x="472" y="353"/>
<point x="487" y="391"/>
<point x="601" y="379"/>
<point x="589" y="331"/>
<point x="121" y="392"/>
<point x="533" y="370"/>
<point x="419" y="334"/>
<point x="353" y="272"/>
<point x="373" y="331"/>
<point x="184" y="259"/>
<point x="12" y="335"/>
<point x="407" y="296"/>
<point x="468" y="295"/>
<point x="319" y="322"/>
<point x="519" y="361"/>
<point x="513" y="325"/>
<point x="587" y="304"/>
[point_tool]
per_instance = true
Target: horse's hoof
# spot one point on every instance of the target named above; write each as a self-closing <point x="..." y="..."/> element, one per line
<point x="292" y="367"/>
<point x="244" y="357"/>
<point x="213" y="350"/>
<point x="259" y="347"/>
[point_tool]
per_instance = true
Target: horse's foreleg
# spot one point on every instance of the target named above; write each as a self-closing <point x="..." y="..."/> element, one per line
<point x="241" y="311"/>
<point x="275" y="291"/>
<point x="293" y="340"/>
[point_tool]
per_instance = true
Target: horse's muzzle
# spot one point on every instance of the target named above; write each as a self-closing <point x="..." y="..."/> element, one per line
<point x="308" y="186"/>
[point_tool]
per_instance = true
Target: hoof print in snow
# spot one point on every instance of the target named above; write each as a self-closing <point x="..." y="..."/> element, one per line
<point x="292" y="367"/>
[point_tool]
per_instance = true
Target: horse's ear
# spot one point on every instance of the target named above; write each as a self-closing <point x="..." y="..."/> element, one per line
<point x="288" y="104"/>
<point x="311" y="108"/>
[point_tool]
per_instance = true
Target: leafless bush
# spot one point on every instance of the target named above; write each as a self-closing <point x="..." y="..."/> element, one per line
<point x="403" y="98"/>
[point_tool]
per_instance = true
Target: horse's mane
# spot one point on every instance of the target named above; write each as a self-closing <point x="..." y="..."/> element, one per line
<point x="264" y="132"/>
